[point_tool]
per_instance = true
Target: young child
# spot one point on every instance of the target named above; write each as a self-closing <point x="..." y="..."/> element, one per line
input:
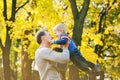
<point x="75" y="55"/>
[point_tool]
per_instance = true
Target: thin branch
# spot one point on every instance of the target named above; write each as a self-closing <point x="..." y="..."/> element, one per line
<point x="74" y="8"/>
<point x="21" y="6"/>
<point x="112" y="56"/>
<point x="5" y="9"/>
<point x="103" y="13"/>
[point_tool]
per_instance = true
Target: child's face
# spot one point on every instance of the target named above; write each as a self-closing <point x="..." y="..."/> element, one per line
<point x="57" y="33"/>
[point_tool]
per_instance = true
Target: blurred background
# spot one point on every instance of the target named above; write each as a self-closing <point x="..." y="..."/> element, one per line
<point x="94" y="25"/>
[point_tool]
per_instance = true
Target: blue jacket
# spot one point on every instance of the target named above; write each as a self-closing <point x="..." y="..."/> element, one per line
<point x="63" y="40"/>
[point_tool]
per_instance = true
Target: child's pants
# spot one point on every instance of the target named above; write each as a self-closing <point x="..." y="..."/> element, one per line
<point x="80" y="61"/>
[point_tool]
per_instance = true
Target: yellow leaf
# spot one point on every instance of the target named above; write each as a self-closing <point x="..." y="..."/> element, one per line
<point x="3" y="35"/>
<point x="106" y="31"/>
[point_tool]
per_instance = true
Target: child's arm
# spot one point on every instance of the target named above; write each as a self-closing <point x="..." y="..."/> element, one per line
<point x="61" y="41"/>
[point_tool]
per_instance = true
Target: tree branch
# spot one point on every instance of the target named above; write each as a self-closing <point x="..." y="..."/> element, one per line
<point x="21" y="6"/>
<point x="112" y="56"/>
<point x="74" y="8"/>
<point x="13" y="11"/>
<point x="84" y="9"/>
<point x="79" y="18"/>
<point x="104" y="13"/>
<point x="5" y="10"/>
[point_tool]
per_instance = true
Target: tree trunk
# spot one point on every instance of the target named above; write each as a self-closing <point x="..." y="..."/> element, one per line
<point x="102" y="75"/>
<point x="77" y="32"/>
<point x="35" y="75"/>
<point x="1" y="69"/>
<point x="5" y="55"/>
<point x="79" y="18"/>
<point x="73" y="73"/>
<point x="6" y="48"/>
<point x="15" y="66"/>
<point x="26" y="66"/>
<point x="15" y="72"/>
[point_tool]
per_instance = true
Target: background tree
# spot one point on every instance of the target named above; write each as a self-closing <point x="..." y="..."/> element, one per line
<point x="7" y="44"/>
<point x="79" y="17"/>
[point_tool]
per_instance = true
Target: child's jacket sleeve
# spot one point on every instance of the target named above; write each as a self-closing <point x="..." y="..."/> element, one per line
<point x="62" y="40"/>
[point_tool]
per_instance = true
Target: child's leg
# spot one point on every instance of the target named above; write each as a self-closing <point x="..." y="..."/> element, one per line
<point x="94" y="67"/>
<point x="77" y="60"/>
<point x="90" y="64"/>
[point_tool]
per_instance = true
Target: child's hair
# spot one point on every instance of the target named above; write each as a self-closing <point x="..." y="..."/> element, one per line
<point x="60" y="27"/>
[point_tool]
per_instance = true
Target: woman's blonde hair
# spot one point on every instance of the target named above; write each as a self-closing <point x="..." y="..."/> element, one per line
<point x="60" y="27"/>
